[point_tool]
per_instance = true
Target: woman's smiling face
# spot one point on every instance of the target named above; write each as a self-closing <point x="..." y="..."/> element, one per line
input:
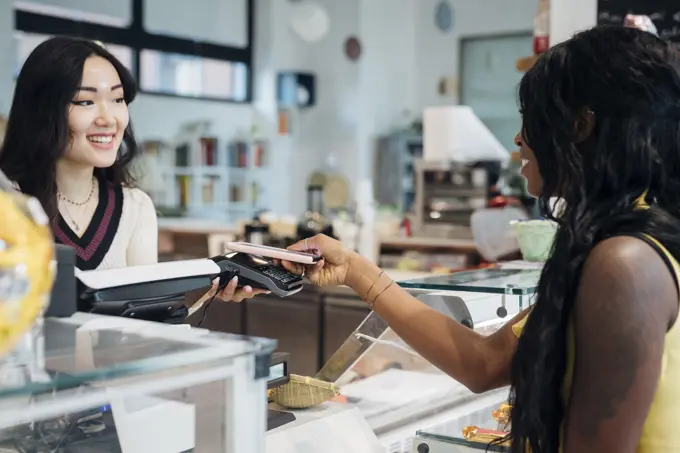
<point x="98" y="115"/>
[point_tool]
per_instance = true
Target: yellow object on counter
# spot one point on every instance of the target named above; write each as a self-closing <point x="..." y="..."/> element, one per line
<point x="485" y="436"/>
<point x="502" y="415"/>
<point x="302" y="392"/>
<point x="27" y="265"/>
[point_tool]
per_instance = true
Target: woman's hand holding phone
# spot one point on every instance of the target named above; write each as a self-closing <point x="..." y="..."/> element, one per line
<point x="332" y="269"/>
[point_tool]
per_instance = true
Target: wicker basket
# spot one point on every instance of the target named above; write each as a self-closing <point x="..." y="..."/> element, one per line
<point x="302" y="392"/>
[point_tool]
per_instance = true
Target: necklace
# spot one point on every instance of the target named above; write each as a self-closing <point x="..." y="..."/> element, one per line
<point x="66" y="202"/>
<point x="72" y="221"/>
<point x="77" y="203"/>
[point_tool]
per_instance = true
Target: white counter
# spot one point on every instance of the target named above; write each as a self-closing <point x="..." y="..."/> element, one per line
<point x="327" y="428"/>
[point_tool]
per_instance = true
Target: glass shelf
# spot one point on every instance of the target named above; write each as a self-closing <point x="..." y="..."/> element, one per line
<point x="450" y="435"/>
<point x="88" y="360"/>
<point x="516" y="282"/>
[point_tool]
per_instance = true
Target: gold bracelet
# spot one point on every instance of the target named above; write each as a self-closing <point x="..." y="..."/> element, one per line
<point x="371" y="304"/>
<point x="368" y="293"/>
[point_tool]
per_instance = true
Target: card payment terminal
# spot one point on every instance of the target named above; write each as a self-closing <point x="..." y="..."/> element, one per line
<point x="258" y="272"/>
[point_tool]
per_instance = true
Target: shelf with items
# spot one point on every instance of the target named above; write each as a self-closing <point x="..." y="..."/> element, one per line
<point x="247" y="154"/>
<point x="470" y="430"/>
<point x="427" y="254"/>
<point x="395" y="170"/>
<point x="447" y="195"/>
<point x="247" y="165"/>
<point x="206" y="177"/>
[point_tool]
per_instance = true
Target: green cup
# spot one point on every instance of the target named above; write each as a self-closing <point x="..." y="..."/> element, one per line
<point x="535" y="238"/>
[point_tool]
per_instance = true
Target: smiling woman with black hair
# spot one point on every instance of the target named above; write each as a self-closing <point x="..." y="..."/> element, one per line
<point x="594" y="365"/>
<point x="69" y="143"/>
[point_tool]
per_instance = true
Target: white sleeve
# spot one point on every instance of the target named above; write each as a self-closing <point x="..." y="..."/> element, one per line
<point x="143" y="246"/>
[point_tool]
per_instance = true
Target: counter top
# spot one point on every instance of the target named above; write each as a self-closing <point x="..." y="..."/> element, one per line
<point x="194" y="226"/>
<point x="465" y="245"/>
<point x="206" y="226"/>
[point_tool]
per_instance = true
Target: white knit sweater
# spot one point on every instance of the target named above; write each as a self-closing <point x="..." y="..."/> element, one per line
<point x="136" y="240"/>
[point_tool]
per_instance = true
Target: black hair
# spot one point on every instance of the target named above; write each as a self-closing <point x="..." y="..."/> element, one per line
<point x="628" y="81"/>
<point x="38" y="133"/>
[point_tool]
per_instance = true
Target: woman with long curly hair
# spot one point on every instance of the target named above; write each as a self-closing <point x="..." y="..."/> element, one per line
<point x="594" y="364"/>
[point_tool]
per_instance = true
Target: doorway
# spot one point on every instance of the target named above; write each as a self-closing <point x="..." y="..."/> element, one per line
<point x="489" y="81"/>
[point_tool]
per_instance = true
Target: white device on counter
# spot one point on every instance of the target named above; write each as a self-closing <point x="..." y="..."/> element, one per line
<point x="273" y="252"/>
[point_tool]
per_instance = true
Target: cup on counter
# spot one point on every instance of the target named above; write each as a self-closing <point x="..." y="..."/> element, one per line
<point x="535" y="238"/>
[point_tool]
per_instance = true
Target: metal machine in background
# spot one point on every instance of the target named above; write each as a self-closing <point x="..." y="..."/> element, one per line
<point x="447" y="193"/>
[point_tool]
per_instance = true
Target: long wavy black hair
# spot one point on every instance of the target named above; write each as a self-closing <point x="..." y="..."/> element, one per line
<point x="38" y="132"/>
<point x="629" y="81"/>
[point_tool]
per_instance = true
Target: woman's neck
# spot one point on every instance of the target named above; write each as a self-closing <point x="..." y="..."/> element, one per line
<point x="74" y="180"/>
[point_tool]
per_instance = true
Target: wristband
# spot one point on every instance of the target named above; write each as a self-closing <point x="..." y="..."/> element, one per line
<point x="368" y="293"/>
<point x="371" y="304"/>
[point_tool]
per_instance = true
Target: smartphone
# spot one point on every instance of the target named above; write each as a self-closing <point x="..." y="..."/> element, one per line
<point x="273" y="252"/>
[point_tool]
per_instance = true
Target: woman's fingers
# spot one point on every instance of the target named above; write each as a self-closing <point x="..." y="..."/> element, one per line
<point x="228" y="292"/>
<point x="232" y="294"/>
<point x="247" y="293"/>
<point x="295" y="268"/>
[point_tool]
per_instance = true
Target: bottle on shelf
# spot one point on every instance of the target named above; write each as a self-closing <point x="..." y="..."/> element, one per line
<point x="209" y="151"/>
<point x="184" y="186"/>
<point x="542" y="27"/>
<point x="182" y="155"/>
<point x="238" y="155"/>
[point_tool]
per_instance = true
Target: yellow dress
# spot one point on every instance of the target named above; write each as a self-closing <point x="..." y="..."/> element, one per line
<point x="660" y="431"/>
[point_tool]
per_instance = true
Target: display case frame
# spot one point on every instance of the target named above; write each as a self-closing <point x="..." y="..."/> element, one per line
<point x="155" y="387"/>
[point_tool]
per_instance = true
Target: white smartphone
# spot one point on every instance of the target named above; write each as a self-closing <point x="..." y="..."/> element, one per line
<point x="273" y="252"/>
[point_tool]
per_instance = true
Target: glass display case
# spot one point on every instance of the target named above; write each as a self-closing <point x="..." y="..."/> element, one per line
<point x="391" y="384"/>
<point x="448" y="437"/>
<point x="511" y="280"/>
<point x="109" y="384"/>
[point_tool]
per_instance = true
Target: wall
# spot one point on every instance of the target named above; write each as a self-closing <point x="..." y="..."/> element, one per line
<point x="325" y="130"/>
<point x="387" y="75"/>
<point x="569" y="17"/>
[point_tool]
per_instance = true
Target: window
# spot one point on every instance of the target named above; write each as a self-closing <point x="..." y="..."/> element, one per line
<point x="191" y="76"/>
<point x="24" y="43"/>
<point x="114" y="14"/>
<point x="222" y="22"/>
<point x="174" y="56"/>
